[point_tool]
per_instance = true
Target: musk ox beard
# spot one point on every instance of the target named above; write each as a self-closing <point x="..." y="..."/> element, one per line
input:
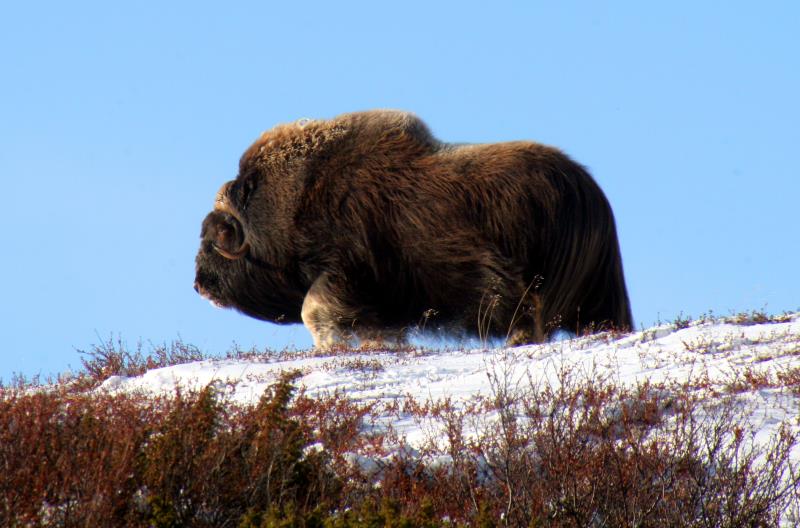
<point x="365" y="226"/>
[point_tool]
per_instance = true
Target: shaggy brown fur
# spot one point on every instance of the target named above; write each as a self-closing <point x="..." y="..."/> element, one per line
<point x="365" y="226"/>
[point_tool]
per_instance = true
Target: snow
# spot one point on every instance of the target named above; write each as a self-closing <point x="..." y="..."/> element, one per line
<point x="716" y="352"/>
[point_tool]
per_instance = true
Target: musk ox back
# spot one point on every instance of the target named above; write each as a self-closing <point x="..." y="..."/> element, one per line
<point x="365" y="226"/>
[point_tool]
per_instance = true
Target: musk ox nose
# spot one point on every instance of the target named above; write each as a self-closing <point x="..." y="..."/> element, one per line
<point x="196" y="286"/>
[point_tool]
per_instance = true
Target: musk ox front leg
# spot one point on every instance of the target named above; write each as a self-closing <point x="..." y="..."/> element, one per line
<point x="333" y="314"/>
<point x="323" y="314"/>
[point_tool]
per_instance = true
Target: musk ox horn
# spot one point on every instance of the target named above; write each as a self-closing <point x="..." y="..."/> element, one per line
<point x="230" y="239"/>
<point x="234" y="223"/>
<point x="233" y="255"/>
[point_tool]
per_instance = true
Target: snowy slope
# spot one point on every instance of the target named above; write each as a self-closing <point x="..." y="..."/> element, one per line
<point x="717" y="357"/>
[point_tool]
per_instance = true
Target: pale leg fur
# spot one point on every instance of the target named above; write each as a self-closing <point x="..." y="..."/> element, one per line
<point x="319" y="319"/>
<point x="333" y="319"/>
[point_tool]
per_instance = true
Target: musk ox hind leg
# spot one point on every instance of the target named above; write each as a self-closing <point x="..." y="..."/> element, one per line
<point x="482" y="292"/>
<point x="504" y="305"/>
<point x="335" y="317"/>
<point x="529" y="327"/>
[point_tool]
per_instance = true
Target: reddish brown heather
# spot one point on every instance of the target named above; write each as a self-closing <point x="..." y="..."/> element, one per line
<point x="583" y="453"/>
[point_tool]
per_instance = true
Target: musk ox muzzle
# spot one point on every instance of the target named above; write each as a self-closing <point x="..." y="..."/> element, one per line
<point x="366" y="226"/>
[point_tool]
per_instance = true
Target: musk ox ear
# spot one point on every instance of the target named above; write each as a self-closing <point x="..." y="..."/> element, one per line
<point x="227" y="236"/>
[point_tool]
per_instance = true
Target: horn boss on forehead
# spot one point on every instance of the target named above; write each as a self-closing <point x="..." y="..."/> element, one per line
<point x="363" y="226"/>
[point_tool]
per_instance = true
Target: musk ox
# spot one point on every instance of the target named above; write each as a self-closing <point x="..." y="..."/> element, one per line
<point x="365" y="226"/>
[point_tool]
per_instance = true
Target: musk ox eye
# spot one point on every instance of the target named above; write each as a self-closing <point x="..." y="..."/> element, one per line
<point x="241" y="190"/>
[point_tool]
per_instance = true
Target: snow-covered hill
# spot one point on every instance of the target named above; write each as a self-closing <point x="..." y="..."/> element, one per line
<point x="754" y="359"/>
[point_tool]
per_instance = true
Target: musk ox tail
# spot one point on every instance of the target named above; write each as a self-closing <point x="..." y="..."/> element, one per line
<point x="585" y="289"/>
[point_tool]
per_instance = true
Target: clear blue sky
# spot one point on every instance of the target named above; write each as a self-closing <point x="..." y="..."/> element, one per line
<point x="119" y="121"/>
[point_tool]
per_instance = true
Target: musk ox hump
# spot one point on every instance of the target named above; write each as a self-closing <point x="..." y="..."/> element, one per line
<point x="285" y="142"/>
<point x="354" y="134"/>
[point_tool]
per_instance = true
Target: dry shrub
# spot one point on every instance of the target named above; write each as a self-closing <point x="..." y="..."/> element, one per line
<point x="755" y="317"/>
<point x="69" y="460"/>
<point x="336" y="420"/>
<point x="582" y="453"/>
<point x="790" y="377"/>
<point x="188" y="460"/>
<point x="589" y="453"/>
<point x="209" y="468"/>
<point x="111" y="358"/>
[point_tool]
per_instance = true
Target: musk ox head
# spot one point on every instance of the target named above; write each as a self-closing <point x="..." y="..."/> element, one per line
<point x="365" y="226"/>
<point x="223" y="243"/>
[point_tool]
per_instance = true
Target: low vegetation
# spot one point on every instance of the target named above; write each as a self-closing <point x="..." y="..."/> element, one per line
<point x="587" y="452"/>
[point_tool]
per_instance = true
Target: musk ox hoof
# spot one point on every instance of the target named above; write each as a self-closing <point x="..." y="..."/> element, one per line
<point x="382" y="340"/>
